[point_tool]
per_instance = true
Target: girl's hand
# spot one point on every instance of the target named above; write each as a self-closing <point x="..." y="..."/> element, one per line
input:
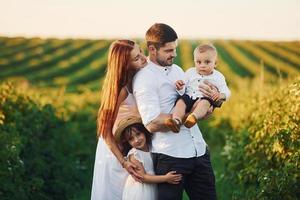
<point x="131" y="168"/>
<point x="173" y="178"/>
<point x="179" y="84"/>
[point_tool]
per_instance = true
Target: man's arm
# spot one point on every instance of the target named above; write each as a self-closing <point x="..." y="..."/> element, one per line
<point x="158" y="124"/>
<point x="146" y="94"/>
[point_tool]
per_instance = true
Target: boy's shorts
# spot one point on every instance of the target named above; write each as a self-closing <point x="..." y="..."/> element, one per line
<point x="189" y="102"/>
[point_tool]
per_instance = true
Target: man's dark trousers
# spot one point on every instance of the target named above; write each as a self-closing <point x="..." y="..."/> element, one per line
<point x="198" y="178"/>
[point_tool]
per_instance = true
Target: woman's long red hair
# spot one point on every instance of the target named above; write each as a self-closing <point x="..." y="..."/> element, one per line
<point x="117" y="76"/>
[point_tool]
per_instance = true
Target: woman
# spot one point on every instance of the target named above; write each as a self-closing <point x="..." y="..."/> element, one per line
<point x="125" y="58"/>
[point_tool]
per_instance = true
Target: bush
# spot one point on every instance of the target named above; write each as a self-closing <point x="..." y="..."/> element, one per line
<point x="42" y="155"/>
<point x="263" y="157"/>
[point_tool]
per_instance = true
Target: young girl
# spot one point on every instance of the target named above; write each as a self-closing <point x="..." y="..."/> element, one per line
<point x="134" y="135"/>
<point x="125" y="58"/>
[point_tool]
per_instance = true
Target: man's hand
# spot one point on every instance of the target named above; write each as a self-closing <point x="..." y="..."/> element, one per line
<point x="179" y="84"/>
<point x="216" y="96"/>
<point x="131" y="168"/>
<point x="209" y="90"/>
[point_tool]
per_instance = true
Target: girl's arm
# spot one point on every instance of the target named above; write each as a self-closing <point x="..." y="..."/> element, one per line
<point x="113" y="146"/>
<point x="171" y="177"/>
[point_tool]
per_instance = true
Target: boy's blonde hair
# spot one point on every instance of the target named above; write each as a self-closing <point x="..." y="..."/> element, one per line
<point x="204" y="48"/>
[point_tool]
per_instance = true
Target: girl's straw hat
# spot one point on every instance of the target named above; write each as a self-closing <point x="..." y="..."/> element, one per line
<point x="124" y="123"/>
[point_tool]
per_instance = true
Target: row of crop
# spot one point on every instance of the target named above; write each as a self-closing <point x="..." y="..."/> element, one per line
<point x="232" y="63"/>
<point x="12" y="42"/>
<point x="22" y="58"/>
<point x="293" y="47"/>
<point x="46" y="61"/>
<point x="255" y="68"/>
<point x="289" y="57"/>
<point x="66" y="68"/>
<point x="93" y="71"/>
<point x="279" y="65"/>
<point x="20" y="46"/>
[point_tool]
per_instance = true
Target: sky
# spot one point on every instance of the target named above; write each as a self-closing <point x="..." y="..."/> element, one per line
<point x="199" y="19"/>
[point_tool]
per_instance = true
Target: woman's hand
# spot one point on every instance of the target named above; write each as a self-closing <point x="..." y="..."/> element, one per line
<point x="173" y="178"/>
<point x="132" y="169"/>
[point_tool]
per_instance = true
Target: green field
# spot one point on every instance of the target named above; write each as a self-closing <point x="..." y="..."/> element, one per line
<point x="64" y="76"/>
<point x="80" y="64"/>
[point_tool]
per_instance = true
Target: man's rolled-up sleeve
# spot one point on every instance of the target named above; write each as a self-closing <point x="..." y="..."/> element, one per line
<point x="146" y="94"/>
<point x="223" y="88"/>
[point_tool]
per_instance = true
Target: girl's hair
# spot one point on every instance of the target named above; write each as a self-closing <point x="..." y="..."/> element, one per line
<point x="118" y="74"/>
<point x="127" y="132"/>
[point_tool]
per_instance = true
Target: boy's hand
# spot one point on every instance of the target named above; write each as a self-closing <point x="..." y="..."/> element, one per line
<point x="179" y="84"/>
<point x="173" y="178"/>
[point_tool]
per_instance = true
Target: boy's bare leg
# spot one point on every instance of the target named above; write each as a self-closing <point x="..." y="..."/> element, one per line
<point x="201" y="109"/>
<point x="179" y="110"/>
<point x="198" y="113"/>
<point x="175" y="122"/>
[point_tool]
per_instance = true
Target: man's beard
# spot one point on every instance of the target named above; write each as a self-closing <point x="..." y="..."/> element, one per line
<point x="164" y="62"/>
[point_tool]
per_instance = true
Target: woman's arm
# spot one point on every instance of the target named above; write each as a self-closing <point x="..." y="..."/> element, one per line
<point x="110" y="140"/>
<point x="170" y="177"/>
<point x="112" y="143"/>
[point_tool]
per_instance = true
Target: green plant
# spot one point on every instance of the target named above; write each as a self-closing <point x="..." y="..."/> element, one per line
<point x="263" y="157"/>
<point x="43" y="156"/>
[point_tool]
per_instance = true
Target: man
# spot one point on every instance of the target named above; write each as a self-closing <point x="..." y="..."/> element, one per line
<point x="185" y="152"/>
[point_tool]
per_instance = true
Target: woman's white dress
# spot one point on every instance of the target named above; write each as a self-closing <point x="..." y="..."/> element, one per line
<point x="109" y="176"/>
<point x="134" y="190"/>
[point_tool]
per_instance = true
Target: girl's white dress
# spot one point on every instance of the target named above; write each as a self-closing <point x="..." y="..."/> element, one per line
<point x="109" y="176"/>
<point x="134" y="190"/>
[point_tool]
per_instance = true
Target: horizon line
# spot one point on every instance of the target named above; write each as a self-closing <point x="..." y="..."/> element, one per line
<point x="84" y="37"/>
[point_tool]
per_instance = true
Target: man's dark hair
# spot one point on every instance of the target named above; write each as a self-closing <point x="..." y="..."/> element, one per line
<point x="159" y="34"/>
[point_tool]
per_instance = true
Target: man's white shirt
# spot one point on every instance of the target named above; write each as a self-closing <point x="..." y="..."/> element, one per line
<point x="155" y="93"/>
